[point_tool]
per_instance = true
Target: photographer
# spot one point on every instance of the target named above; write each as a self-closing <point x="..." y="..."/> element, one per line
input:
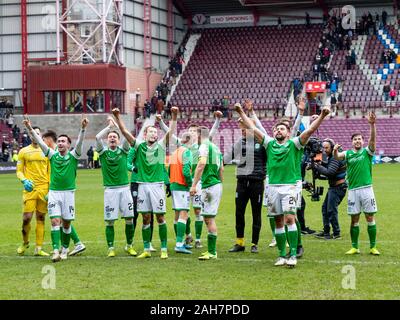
<point x="335" y="171"/>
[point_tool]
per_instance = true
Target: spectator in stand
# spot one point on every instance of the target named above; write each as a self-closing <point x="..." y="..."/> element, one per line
<point x="279" y="23"/>
<point x="10" y="120"/>
<point x="154" y="101"/>
<point x="377" y="24"/>
<point x="384" y="18"/>
<point x="225" y="106"/>
<point x="90" y="154"/>
<point x="348" y="61"/>
<point x="168" y="110"/>
<point x="15" y="145"/>
<point x="308" y="21"/>
<point x="333" y="87"/>
<point x="147" y="109"/>
<point x="26" y="141"/>
<point x="160" y="105"/>
<point x="333" y="105"/>
<point x="392" y="94"/>
<point x="4" y="145"/>
<point x="16" y="131"/>
<point x="14" y="156"/>
<point x="353" y="57"/>
<point x="215" y="106"/>
<point x="386" y="91"/>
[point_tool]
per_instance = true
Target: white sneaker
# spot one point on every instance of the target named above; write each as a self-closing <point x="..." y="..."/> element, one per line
<point x="152" y="249"/>
<point x="273" y="243"/>
<point x="281" y="261"/>
<point x="80" y="247"/>
<point x="291" y="262"/>
<point x="56" y="256"/>
<point x="64" y="253"/>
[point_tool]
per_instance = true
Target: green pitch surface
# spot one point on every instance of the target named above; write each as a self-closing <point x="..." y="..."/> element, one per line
<point x="324" y="272"/>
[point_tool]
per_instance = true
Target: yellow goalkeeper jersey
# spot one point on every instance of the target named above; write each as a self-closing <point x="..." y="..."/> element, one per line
<point x="33" y="165"/>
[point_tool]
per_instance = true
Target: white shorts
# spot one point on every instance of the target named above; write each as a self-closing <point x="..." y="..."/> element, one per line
<point x="118" y="200"/>
<point x="151" y="198"/>
<point x="282" y="199"/>
<point x="61" y="204"/>
<point x="196" y="199"/>
<point x="361" y="200"/>
<point x="266" y="190"/>
<point x="211" y="197"/>
<point x="299" y="188"/>
<point x="180" y="200"/>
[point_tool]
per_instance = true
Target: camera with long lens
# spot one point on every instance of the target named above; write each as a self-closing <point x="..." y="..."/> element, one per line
<point x="313" y="152"/>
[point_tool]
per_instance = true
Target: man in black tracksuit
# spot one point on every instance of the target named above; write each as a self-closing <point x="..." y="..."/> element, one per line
<point x="335" y="171"/>
<point x="250" y="158"/>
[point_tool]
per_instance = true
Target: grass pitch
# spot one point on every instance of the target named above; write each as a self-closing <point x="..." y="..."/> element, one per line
<point x="321" y="274"/>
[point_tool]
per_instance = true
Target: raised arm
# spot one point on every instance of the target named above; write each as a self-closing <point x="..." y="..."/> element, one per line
<point x="128" y="136"/>
<point x="258" y="134"/>
<point x="218" y="115"/>
<point x="306" y="134"/>
<point x="372" y="137"/>
<point x="338" y="155"/>
<point x="102" y="134"/>
<point x="301" y="107"/>
<point x="165" y="128"/>
<point x="249" y="106"/>
<point x="77" y="152"/>
<point x="46" y="150"/>
<point x="172" y="125"/>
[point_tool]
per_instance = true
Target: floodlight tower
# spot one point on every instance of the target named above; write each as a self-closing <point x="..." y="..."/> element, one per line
<point x="93" y="29"/>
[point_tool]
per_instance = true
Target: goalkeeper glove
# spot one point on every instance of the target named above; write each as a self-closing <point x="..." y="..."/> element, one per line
<point x="28" y="185"/>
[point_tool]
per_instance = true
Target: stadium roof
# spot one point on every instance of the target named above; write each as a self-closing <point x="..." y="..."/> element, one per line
<point x="214" y="7"/>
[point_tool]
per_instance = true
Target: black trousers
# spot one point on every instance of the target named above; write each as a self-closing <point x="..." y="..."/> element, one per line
<point x="300" y="213"/>
<point x="332" y="201"/>
<point x="134" y="192"/>
<point x="249" y="190"/>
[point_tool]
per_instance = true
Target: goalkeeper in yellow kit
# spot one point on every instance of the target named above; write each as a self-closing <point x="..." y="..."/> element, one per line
<point x="33" y="170"/>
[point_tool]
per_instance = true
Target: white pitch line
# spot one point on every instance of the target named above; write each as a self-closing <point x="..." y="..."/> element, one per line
<point x="85" y="257"/>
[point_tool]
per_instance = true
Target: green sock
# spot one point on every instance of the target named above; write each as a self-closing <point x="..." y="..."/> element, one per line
<point x="198" y="226"/>
<point x="55" y="239"/>
<point x="272" y="224"/>
<point x="110" y="236"/>
<point x="146" y="234"/>
<point x="65" y="239"/>
<point x="299" y="244"/>
<point x="372" y="236"/>
<point x="176" y="229"/>
<point x="287" y="235"/>
<point x="187" y="232"/>
<point x="293" y="236"/>
<point x="180" y="227"/>
<point x="212" y="243"/>
<point x="281" y="243"/>
<point x="354" y="233"/>
<point x="162" y="231"/>
<point x="74" y="235"/>
<point x="129" y="232"/>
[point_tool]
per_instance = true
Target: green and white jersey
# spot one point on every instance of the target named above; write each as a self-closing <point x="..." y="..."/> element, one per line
<point x="359" y="168"/>
<point x="63" y="171"/>
<point x="213" y="155"/>
<point x="150" y="161"/>
<point x="283" y="161"/>
<point x="194" y="148"/>
<point x="114" y="167"/>
<point x="131" y="164"/>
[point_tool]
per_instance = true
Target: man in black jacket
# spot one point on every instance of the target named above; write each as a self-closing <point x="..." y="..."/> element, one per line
<point x="335" y="171"/>
<point x="250" y="158"/>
